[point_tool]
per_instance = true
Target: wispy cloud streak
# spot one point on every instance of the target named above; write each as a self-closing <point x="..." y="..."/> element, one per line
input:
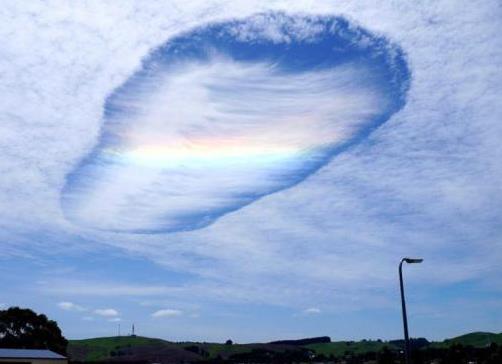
<point x="194" y="136"/>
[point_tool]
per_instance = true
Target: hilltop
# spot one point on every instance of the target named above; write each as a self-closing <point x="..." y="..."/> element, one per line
<point x="475" y="339"/>
<point x="132" y="348"/>
<point x="137" y="348"/>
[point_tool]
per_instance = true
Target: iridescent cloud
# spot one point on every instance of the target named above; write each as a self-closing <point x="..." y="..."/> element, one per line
<point x="228" y="113"/>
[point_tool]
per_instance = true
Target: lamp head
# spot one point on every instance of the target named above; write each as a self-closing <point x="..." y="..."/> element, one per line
<point x="413" y="260"/>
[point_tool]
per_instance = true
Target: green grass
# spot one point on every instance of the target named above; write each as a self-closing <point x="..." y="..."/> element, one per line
<point x="476" y="339"/>
<point x="215" y="349"/>
<point x="339" y="348"/>
<point x="100" y="348"/>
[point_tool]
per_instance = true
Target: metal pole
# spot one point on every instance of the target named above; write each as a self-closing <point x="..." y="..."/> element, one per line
<point x="405" y="319"/>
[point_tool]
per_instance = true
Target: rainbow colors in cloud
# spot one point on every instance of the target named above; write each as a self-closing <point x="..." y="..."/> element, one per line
<point x="229" y="113"/>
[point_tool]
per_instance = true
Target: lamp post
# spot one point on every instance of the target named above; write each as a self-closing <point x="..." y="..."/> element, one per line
<point x="403" y="305"/>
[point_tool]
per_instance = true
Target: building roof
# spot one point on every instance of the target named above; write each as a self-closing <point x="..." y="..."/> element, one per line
<point x="29" y="354"/>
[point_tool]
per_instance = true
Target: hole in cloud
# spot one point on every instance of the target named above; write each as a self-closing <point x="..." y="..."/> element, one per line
<point x="228" y="113"/>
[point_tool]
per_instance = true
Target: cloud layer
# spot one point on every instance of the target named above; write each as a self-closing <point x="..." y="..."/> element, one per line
<point x="229" y="113"/>
<point x="426" y="182"/>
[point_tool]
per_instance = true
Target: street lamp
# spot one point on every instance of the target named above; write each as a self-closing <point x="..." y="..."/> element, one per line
<point x="403" y="305"/>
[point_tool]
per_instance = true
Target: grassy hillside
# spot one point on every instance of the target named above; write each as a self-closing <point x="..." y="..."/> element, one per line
<point x="214" y="349"/>
<point x="339" y="348"/>
<point x="127" y="348"/>
<point x="103" y="347"/>
<point x="476" y="339"/>
<point x="108" y="348"/>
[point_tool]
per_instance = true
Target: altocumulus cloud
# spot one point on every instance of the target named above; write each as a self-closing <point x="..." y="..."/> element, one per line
<point x="427" y="180"/>
<point x="106" y="312"/>
<point x="70" y="306"/>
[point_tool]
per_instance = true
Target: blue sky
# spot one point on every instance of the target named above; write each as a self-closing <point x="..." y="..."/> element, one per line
<point x="252" y="170"/>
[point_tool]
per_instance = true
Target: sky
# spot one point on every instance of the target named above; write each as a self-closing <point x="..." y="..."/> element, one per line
<point x="252" y="170"/>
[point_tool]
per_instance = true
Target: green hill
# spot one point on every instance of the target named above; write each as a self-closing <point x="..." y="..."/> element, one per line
<point x="104" y="348"/>
<point x="476" y="339"/>
<point x="339" y="348"/>
<point x="129" y="348"/>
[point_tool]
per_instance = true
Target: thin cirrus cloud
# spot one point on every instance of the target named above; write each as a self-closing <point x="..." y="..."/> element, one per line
<point x="104" y="289"/>
<point x="168" y="312"/>
<point x="211" y="124"/>
<point x="312" y="311"/>
<point x="70" y="306"/>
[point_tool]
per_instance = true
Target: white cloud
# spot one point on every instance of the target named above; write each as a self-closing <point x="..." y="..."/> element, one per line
<point x="115" y="319"/>
<point x="168" y="312"/>
<point x="278" y="123"/>
<point x="106" y="312"/>
<point x="70" y="306"/>
<point x="312" y="311"/>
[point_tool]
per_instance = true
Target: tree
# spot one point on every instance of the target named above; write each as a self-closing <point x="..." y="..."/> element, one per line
<point x="24" y="329"/>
